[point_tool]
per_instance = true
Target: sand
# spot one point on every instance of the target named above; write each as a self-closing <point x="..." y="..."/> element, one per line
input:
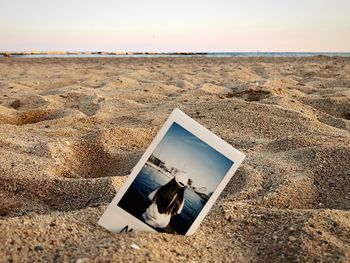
<point x="72" y="129"/>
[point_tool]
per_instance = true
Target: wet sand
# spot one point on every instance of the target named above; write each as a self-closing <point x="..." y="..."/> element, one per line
<point x="71" y="130"/>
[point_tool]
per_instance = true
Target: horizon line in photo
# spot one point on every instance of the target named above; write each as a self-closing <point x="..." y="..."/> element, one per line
<point x="185" y="152"/>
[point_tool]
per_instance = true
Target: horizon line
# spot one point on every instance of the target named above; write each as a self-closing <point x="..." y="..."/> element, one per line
<point x="67" y="52"/>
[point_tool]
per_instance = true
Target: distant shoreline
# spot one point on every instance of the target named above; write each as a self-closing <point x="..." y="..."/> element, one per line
<point x="82" y="54"/>
<point x="106" y="53"/>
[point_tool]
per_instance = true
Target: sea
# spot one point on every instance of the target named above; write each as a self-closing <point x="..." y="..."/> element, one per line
<point x="135" y="201"/>
<point x="185" y="54"/>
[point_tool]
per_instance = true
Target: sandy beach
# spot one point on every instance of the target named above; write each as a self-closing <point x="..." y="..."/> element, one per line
<point x="71" y="129"/>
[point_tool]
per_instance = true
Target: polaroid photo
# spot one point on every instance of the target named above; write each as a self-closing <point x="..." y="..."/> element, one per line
<point x="176" y="181"/>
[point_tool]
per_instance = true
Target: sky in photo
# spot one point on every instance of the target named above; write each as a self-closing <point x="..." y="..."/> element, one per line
<point x="184" y="151"/>
<point x="163" y="26"/>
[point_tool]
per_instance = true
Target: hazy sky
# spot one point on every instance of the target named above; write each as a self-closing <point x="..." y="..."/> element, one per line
<point x="182" y="150"/>
<point x="191" y="25"/>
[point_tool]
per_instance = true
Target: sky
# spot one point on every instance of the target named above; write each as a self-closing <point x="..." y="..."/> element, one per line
<point x="169" y="26"/>
<point x="184" y="151"/>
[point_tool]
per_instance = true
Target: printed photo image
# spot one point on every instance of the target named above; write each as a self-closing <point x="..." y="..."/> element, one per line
<point x="176" y="182"/>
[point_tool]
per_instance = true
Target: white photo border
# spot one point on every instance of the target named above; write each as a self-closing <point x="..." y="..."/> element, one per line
<point x="186" y="122"/>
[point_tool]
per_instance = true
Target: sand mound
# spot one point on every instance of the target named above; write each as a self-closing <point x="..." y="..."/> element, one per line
<point x="100" y="154"/>
<point x="29" y="117"/>
<point x="36" y="116"/>
<point x="215" y="89"/>
<point x="72" y="129"/>
<point x="330" y="178"/>
<point x="338" y="107"/>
